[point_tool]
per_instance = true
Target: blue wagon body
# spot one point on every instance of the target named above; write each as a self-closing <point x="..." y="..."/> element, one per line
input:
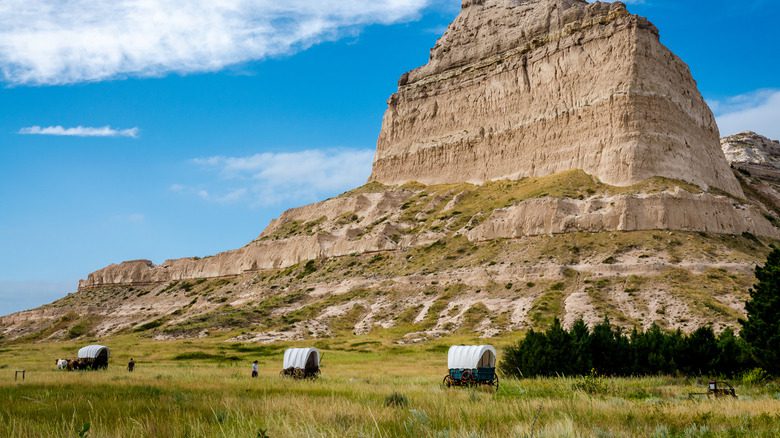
<point x="480" y="375"/>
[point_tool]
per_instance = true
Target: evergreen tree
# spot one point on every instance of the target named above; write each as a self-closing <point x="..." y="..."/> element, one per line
<point x="581" y="360"/>
<point x="528" y="358"/>
<point x="653" y="352"/>
<point x="700" y="352"/>
<point x="559" y="350"/>
<point x="606" y="349"/>
<point x="761" y="329"/>
<point x="733" y="354"/>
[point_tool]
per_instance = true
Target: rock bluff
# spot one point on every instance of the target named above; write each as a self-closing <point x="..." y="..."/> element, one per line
<point x="530" y="88"/>
<point x="753" y="154"/>
<point x="567" y="115"/>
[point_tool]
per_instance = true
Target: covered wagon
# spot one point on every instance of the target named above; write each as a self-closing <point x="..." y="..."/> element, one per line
<point x="93" y="357"/>
<point x="471" y="365"/>
<point x="301" y="363"/>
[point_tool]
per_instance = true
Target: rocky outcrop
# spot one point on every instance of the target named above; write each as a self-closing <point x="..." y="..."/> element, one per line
<point x="527" y="88"/>
<point x="673" y="210"/>
<point x="677" y="280"/>
<point x="756" y="162"/>
<point x="521" y="91"/>
<point x="372" y="222"/>
<point x="754" y="154"/>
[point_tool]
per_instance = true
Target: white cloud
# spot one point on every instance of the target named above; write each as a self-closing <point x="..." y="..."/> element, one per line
<point x="80" y="131"/>
<point x="758" y="111"/>
<point x="68" y="41"/>
<point x="274" y="178"/>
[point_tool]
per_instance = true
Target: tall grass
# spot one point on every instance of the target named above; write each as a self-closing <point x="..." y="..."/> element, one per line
<point x="204" y="397"/>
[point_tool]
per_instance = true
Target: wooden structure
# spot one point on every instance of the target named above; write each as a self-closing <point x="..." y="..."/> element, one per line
<point x="471" y="366"/>
<point x="301" y="363"/>
<point x="93" y="357"/>
<point x="716" y="389"/>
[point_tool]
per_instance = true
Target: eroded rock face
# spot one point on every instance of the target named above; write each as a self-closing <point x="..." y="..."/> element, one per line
<point x="756" y="161"/>
<point x="517" y="89"/>
<point x="375" y="222"/>
<point x="673" y="210"/>
<point x="529" y="88"/>
<point x="754" y="153"/>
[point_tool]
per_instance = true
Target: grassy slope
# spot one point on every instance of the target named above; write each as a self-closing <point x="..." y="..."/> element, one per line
<point x="448" y="208"/>
<point x="215" y="397"/>
<point x="278" y="300"/>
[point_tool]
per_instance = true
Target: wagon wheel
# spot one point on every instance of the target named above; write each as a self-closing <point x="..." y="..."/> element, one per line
<point x="283" y="373"/>
<point x="467" y="377"/>
<point x="495" y="382"/>
<point x="448" y="382"/>
<point x="298" y="373"/>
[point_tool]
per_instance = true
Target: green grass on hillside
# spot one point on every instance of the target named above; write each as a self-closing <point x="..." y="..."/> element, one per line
<point x="281" y="299"/>
<point x="451" y="207"/>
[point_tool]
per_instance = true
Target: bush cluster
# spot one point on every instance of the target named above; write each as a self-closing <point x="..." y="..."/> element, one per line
<point x="607" y="351"/>
<point x="610" y="352"/>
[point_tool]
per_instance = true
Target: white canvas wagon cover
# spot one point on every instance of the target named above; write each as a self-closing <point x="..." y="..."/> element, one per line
<point x="301" y="358"/>
<point x="92" y="351"/>
<point x="471" y="357"/>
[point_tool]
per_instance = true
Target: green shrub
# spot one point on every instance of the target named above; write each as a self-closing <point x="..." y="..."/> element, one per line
<point x="591" y="384"/>
<point x="150" y="325"/>
<point x="754" y="377"/>
<point x="78" y="330"/>
<point x="396" y="400"/>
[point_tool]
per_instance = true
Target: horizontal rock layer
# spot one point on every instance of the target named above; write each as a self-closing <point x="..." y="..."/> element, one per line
<point x="372" y="222"/>
<point x="679" y="210"/>
<point x="532" y="88"/>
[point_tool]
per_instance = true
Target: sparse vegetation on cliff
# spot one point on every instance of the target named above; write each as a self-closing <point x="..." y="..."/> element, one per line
<point x="695" y="279"/>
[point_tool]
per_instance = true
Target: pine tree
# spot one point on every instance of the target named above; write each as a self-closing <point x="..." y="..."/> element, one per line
<point x="700" y="352"/>
<point x="607" y="349"/>
<point x="559" y="350"/>
<point x="733" y="355"/>
<point x="761" y="329"/>
<point x="580" y="338"/>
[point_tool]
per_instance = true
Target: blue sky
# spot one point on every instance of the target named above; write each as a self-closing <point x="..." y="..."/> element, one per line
<point x="124" y="135"/>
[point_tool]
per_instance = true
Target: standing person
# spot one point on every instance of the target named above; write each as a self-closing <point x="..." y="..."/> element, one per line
<point x="131" y="365"/>
<point x="254" y="369"/>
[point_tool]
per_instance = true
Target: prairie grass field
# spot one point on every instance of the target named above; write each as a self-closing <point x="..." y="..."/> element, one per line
<point x="202" y="388"/>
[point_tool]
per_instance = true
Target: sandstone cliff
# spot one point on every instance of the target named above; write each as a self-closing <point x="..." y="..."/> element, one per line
<point x="377" y="218"/>
<point x="516" y="89"/>
<point x="756" y="160"/>
<point x="565" y="165"/>
<point x="529" y="88"/>
<point x="753" y="153"/>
